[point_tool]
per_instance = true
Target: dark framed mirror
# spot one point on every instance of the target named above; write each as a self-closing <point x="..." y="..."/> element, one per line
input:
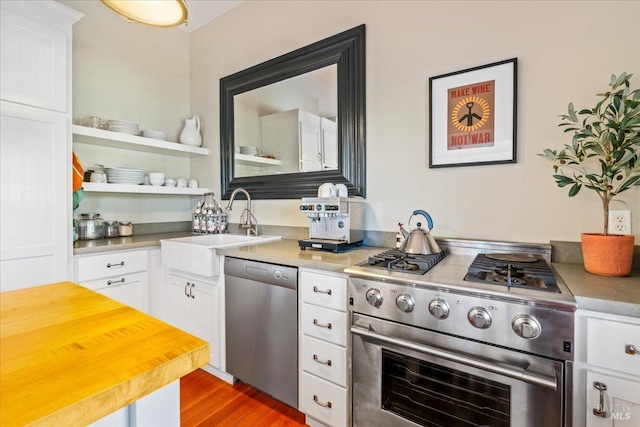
<point x="342" y="54"/>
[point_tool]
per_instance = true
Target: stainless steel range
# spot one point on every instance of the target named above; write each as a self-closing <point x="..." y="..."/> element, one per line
<point x="481" y="334"/>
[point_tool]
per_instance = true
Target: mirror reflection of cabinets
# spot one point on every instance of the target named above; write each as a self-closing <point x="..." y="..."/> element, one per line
<point x="330" y="148"/>
<point x="298" y="140"/>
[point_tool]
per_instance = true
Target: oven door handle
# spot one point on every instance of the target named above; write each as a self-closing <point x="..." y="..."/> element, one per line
<point x="516" y="373"/>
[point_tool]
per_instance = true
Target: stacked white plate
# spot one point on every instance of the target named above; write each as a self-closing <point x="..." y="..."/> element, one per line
<point x="248" y="150"/>
<point x="155" y="134"/>
<point x="124" y="126"/>
<point x="125" y="176"/>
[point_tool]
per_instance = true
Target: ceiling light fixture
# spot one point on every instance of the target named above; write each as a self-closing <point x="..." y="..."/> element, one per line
<point x="157" y="13"/>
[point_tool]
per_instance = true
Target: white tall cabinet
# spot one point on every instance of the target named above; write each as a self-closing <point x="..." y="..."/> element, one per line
<point x="35" y="143"/>
<point x="301" y="140"/>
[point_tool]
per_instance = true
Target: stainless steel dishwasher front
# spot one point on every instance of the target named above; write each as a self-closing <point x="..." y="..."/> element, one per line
<point x="261" y="306"/>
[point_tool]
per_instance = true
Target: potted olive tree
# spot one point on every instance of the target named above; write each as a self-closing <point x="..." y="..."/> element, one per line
<point x="604" y="157"/>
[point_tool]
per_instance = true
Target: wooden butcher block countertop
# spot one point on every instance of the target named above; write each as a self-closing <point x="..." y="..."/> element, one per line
<point x="70" y="356"/>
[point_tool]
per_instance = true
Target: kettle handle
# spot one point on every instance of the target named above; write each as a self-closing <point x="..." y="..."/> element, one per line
<point x="197" y="123"/>
<point x="424" y="214"/>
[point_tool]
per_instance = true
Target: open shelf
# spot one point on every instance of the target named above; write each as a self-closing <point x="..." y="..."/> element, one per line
<point x="253" y="160"/>
<point x="93" y="187"/>
<point x="108" y="138"/>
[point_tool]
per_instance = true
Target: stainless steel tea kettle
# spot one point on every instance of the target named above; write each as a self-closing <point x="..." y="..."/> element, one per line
<point x="419" y="241"/>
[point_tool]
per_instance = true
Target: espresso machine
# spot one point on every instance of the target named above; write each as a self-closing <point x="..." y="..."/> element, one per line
<point x="335" y="223"/>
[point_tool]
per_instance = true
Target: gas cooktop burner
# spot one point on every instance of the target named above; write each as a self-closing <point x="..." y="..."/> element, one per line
<point x="405" y="262"/>
<point x="513" y="270"/>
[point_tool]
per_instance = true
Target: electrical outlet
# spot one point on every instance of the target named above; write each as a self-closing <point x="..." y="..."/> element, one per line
<point x="620" y="222"/>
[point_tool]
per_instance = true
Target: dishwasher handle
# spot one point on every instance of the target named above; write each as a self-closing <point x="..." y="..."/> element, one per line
<point x="273" y="274"/>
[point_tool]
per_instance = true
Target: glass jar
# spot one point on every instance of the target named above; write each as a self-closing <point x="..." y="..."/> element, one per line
<point x="125" y="228"/>
<point x="90" y="226"/>
<point x="111" y="229"/>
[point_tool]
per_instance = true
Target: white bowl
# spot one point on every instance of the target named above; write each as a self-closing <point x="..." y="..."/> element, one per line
<point x="170" y="182"/>
<point x="156" y="175"/>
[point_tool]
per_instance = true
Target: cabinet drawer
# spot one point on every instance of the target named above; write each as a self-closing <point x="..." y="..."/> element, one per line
<point x="325" y="360"/>
<point x="129" y="289"/>
<point x="606" y="342"/>
<point x="328" y="325"/>
<point x="321" y="289"/>
<point x="111" y="264"/>
<point x="316" y="392"/>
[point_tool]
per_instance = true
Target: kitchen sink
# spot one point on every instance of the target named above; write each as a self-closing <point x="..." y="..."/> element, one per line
<point x="198" y="254"/>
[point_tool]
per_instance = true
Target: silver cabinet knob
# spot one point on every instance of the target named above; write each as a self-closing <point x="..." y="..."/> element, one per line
<point x="439" y="308"/>
<point x="405" y="303"/>
<point x="479" y="317"/>
<point x="374" y="297"/>
<point x="526" y="326"/>
<point x="631" y="349"/>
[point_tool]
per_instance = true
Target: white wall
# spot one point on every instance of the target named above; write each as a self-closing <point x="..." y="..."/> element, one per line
<point x="566" y="51"/>
<point x="138" y="73"/>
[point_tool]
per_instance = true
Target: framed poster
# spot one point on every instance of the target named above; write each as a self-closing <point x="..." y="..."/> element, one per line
<point x="472" y="116"/>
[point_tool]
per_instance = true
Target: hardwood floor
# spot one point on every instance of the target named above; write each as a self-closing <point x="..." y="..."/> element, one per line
<point x="206" y="400"/>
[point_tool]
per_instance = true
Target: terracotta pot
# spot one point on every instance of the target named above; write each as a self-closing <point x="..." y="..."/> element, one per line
<point x="607" y="255"/>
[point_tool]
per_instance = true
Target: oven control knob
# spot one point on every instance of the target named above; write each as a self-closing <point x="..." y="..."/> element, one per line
<point x="374" y="297"/>
<point x="439" y="308"/>
<point x="479" y="317"/>
<point x="526" y="326"/>
<point x="405" y="303"/>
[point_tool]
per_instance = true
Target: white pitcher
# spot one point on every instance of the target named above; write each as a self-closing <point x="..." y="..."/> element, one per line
<point x="190" y="134"/>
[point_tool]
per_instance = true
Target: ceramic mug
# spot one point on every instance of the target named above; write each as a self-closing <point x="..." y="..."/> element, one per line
<point x="169" y="182"/>
<point x="181" y="182"/>
<point x="341" y="190"/>
<point x="327" y="190"/>
<point x="193" y="183"/>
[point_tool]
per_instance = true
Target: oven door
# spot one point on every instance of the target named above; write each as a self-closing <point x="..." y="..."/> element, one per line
<point x="407" y="376"/>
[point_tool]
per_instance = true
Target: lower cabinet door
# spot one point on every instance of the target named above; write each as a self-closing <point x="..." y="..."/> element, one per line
<point x="194" y="307"/>
<point x="620" y="400"/>
<point x="179" y="312"/>
<point x="207" y="317"/>
<point x="323" y="400"/>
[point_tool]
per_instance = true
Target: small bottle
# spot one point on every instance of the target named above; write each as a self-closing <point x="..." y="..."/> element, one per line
<point x="211" y="222"/>
<point x="196" y="219"/>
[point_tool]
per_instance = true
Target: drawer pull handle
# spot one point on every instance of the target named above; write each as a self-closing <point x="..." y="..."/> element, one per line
<point x="324" y="405"/>
<point x="318" y="291"/>
<point x="192" y="293"/>
<point x="631" y="349"/>
<point x="111" y="282"/>
<point x="599" y="411"/>
<point x="315" y="359"/>
<point x="315" y="322"/>
<point x="120" y="264"/>
<point x="186" y="289"/>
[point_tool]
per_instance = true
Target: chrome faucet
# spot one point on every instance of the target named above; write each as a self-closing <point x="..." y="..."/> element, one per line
<point x="247" y="220"/>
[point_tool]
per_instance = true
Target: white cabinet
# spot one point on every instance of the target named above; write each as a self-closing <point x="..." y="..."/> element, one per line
<point x="35" y="148"/>
<point x="302" y="141"/>
<point x="193" y="305"/>
<point x="606" y="371"/>
<point x="121" y="275"/>
<point x="323" y="331"/>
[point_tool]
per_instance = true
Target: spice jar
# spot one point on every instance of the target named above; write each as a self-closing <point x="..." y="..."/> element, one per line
<point x="111" y="229"/>
<point x="125" y="228"/>
<point x="90" y="226"/>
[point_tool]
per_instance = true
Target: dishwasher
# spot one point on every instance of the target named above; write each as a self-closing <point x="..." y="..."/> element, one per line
<point x="261" y="306"/>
